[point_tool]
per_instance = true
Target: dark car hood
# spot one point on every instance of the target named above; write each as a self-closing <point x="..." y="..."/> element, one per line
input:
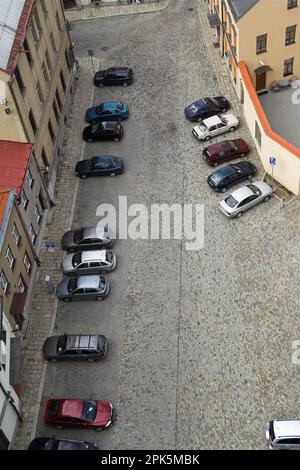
<point x="62" y="288"/>
<point x="193" y="109"/>
<point x="68" y="240"/>
<point x="99" y="75"/>
<point x="222" y="102"/>
<point x="50" y="346"/>
<point x="87" y="131"/>
<point x="119" y="162"/>
<point x="90" y="114"/>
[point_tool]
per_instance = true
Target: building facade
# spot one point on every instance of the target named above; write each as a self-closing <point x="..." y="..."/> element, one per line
<point x="36" y="76"/>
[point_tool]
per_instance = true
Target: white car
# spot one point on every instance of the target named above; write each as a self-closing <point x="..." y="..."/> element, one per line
<point x="215" y="125"/>
<point x="244" y="198"/>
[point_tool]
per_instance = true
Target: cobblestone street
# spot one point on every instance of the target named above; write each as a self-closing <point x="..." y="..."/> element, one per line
<point x="200" y="341"/>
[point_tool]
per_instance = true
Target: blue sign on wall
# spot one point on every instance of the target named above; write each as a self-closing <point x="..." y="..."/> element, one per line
<point x="272" y="161"/>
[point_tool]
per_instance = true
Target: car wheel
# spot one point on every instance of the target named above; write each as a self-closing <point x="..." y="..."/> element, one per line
<point x="125" y="84"/>
<point x="66" y="299"/>
<point x="207" y="137"/>
<point x="99" y="298"/>
<point x="113" y="174"/>
<point x="82" y="176"/>
<point x="53" y="360"/>
<point x="267" y="198"/>
<point x="90" y="140"/>
<point x="117" y="139"/>
<point x="232" y="129"/>
<point x="239" y="214"/>
<point x="223" y="190"/>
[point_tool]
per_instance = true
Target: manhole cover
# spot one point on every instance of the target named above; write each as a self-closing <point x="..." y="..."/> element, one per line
<point x="105" y="48"/>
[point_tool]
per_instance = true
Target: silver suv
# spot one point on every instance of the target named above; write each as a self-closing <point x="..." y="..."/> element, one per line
<point x="89" y="287"/>
<point x="88" y="347"/>
<point x="284" y="434"/>
<point x="89" y="262"/>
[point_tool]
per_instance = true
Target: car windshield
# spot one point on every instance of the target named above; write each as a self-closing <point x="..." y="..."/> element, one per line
<point x="76" y="260"/>
<point x="223" y="119"/>
<point x="193" y="108"/>
<point x="98" y="109"/>
<point x="203" y="127"/>
<point x="61" y="343"/>
<point x="254" y="189"/>
<point x="216" y="177"/>
<point x="78" y="235"/>
<point x="109" y="256"/>
<point x="212" y="100"/>
<point x="119" y="105"/>
<point x="89" y="411"/>
<point x="237" y="168"/>
<point x="230" y="201"/>
<point x="72" y="285"/>
<point x="233" y="147"/>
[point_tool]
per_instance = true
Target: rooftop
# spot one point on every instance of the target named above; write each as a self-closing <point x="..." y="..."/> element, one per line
<point x="283" y="114"/>
<point x="14" y="160"/>
<point x="240" y="7"/>
<point x="14" y="18"/>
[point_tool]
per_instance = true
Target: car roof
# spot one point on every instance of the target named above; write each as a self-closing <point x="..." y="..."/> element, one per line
<point x="93" y="255"/>
<point x="93" y="232"/>
<point x="72" y="408"/>
<point x="225" y="170"/>
<point x="102" y="159"/>
<point x="218" y="146"/>
<point x="286" y="427"/>
<point x="118" y="70"/>
<point x="88" y="281"/>
<point x="81" y="342"/>
<point x="109" y="105"/>
<point x="212" y="121"/>
<point x="241" y="193"/>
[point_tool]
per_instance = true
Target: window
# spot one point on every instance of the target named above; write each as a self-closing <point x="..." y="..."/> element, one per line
<point x="37" y="23"/>
<point x="55" y="110"/>
<point x="290" y="35"/>
<point x="16" y="235"/>
<point x="53" y="43"/>
<point x="45" y="73"/>
<point x="42" y="202"/>
<point x="28" y="53"/>
<point x="50" y="128"/>
<point x="24" y="200"/>
<point x="3" y="281"/>
<point x="10" y="258"/>
<point x="67" y="59"/>
<point x="34" y="30"/>
<point x="58" y="21"/>
<point x="292" y="3"/>
<point x="62" y="80"/>
<point x="48" y="62"/>
<point x="19" y="80"/>
<point x="29" y="178"/>
<point x="21" y="285"/>
<point x="257" y="133"/>
<point x="288" y="67"/>
<point x="58" y="100"/>
<point x="39" y="92"/>
<point x="32" y="122"/>
<point x="32" y="234"/>
<point x="261" y="43"/>
<point x="27" y="263"/>
<point x="38" y="215"/>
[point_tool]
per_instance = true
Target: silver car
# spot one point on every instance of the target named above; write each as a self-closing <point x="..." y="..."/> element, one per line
<point x="284" y="434"/>
<point x="90" y="287"/>
<point x="89" y="262"/>
<point x="244" y="198"/>
<point x="88" y="238"/>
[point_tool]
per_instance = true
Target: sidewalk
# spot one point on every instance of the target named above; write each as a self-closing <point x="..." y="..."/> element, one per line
<point x="93" y="12"/>
<point x="43" y="305"/>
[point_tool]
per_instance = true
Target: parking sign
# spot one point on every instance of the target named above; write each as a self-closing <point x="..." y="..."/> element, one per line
<point x="272" y="161"/>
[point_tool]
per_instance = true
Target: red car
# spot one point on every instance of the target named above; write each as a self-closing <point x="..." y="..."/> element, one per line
<point x="224" y="151"/>
<point x="93" y="414"/>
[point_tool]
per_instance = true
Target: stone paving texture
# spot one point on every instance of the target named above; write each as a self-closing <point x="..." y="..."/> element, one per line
<point x="201" y="347"/>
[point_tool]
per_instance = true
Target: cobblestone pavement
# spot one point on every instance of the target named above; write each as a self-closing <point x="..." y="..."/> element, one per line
<point x="43" y="304"/>
<point x="201" y="341"/>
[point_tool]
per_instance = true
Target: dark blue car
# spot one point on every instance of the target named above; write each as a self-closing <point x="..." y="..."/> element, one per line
<point x="205" y="108"/>
<point x="112" y="111"/>
<point x="226" y="176"/>
<point x="100" y="166"/>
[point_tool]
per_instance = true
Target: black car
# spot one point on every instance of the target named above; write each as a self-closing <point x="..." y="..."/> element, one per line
<point x="111" y="130"/>
<point x="114" y="76"/>
<point x="205" y="108"/>
<point x="99" y="166"/>
<point x="51" y="443"/>
<point x="231" y="174"/>
<point x="75" y="347"/>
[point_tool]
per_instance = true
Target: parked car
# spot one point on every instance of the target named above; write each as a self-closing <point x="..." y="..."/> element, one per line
<point x="111" y="130"/>
<point x="244" y="198"/>
<point x="224" y="151"/>
<point x="88" y="238"/>
<point x="114" y="76"/>
<point x="215" y="125"/>
<point x="228" y="175"/>
<point x="64" y="347"/>
<point x="110" y="111"/>
<point x="284" y="434"/>
<point x="100" y="166"/>
<point x="89" y="262"/>
<point x="94" y="414"/>
<point x="52" y="443"/>
<point x="205" y="108"/>
<point x="89" y="287"/>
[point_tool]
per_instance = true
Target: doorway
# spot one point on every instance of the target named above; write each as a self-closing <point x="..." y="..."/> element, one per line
<point x="261" y="81"/>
